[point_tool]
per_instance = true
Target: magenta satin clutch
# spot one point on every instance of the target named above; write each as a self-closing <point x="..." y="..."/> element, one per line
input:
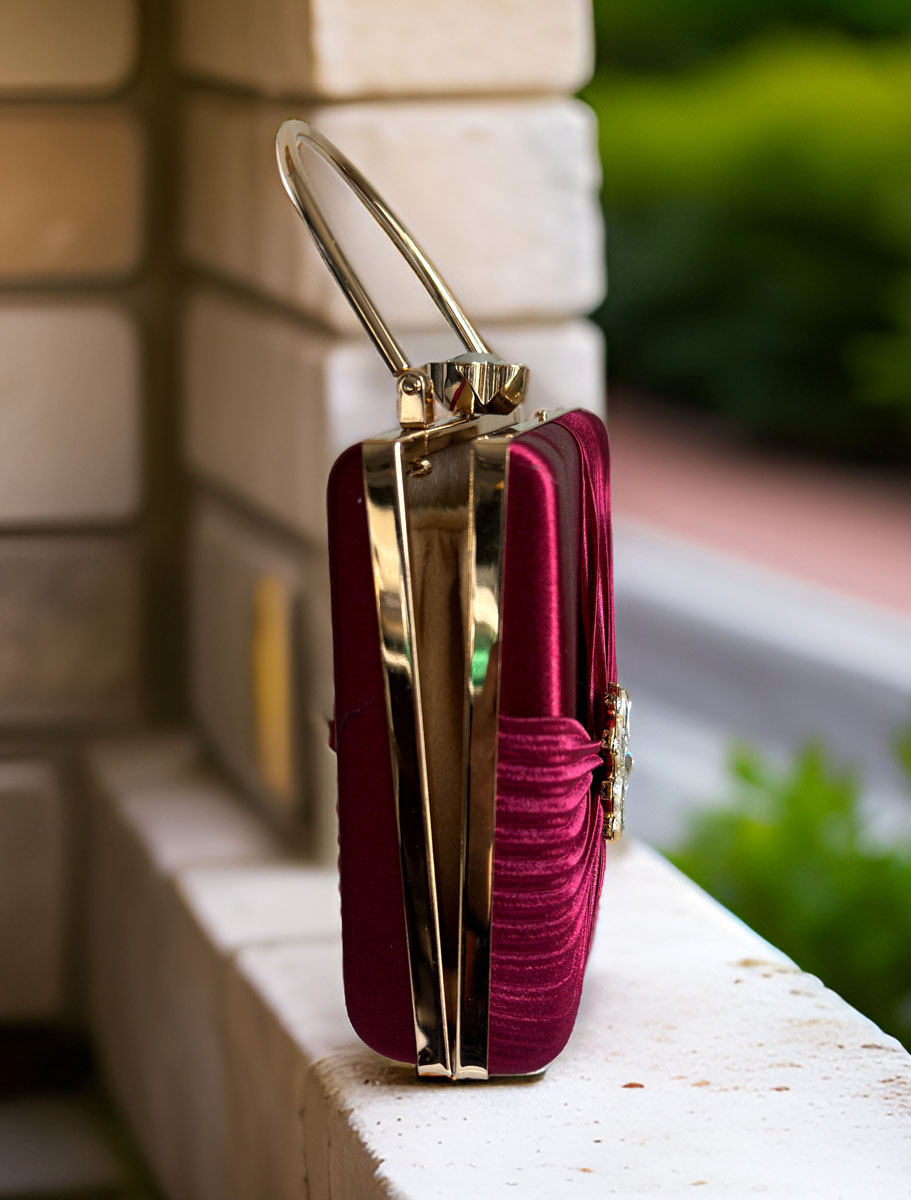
<point x="480" y="731"/>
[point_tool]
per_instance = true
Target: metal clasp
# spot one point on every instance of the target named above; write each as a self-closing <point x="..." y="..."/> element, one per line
<point x="470" y="384"/>
<point x="618" y="761"/>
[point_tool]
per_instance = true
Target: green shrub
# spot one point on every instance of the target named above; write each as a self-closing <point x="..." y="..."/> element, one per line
<point x="789" y="857"/>
<point x="759" y="239"/>
<point x="662" y="34"/>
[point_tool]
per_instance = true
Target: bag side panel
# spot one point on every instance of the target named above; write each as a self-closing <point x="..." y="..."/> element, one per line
<point x="374" y="946"/>
<point x="538" y="675"/>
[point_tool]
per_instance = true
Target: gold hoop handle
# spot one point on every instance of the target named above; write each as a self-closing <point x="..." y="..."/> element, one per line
<point x="288" y="144"/>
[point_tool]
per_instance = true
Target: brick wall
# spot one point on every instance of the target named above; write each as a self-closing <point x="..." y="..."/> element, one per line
<point x="460" y="114"/>
<point x="88" y="512"/>
<point x="167" y="331"/>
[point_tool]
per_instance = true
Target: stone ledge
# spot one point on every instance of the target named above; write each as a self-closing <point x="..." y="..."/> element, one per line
<point x="34" y="877"/>
<point x="703" y="1057"/>
<point x="154" y="813"/>
<point x="284" y="1012"/>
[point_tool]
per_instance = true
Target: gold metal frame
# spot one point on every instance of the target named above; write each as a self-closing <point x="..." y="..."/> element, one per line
<point x="452" y="1044"/>
<point x="481" y="709"/>
<point x="450" y="1041"/>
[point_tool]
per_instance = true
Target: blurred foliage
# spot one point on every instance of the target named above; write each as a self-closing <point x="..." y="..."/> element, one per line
<point x="666" y="34"/>
<point x="759" y="215"/>
<point x="790" y="858"/>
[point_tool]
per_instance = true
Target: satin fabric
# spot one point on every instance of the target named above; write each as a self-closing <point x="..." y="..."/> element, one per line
<point x="539" y="622"/>
<point x="596" y="562"/>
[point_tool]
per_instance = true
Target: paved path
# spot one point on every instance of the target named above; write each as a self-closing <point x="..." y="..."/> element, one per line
<point x="842" y="527"/>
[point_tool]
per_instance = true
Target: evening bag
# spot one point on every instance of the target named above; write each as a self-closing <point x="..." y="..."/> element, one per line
<point x="480" y="731"/>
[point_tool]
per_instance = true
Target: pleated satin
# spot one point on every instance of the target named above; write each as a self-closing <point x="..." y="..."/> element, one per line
<point x="547" y="880"/>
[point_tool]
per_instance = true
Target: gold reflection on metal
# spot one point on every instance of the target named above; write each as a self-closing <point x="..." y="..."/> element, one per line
<point x="387" y="463"/>
<point x="420" y="468"/>
<point x="619" y="761"/>
<point x="476" y="383"/>
<point x="414" y="390"/>
<point x="487" y="515"/>
<point x="386" y="518"/>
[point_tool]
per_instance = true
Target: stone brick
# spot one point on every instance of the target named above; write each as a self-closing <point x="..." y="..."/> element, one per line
<point x="502" y="194"/>
<point x="33" y="883"/>
<point x="72" y="193"/>
<point x="284" y="1011"/>
<point x="232" y="556"/>
<point x="349" y="48"/>
<point x="155" y="810"/>
<point x="70" y="419"/>
<point x="55" y="47"/>
<point x="271" y="402"/>
<point x="119" y="765"/>
<point x="165" y="929"/>
<point x="69" y="630"/>
<point x="212" y="914"/>
<point x="174" y="805"/>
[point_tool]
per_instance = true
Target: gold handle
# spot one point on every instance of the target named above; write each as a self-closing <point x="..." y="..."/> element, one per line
<point x="475" y="382"/>
<point x="291" y="136"/>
